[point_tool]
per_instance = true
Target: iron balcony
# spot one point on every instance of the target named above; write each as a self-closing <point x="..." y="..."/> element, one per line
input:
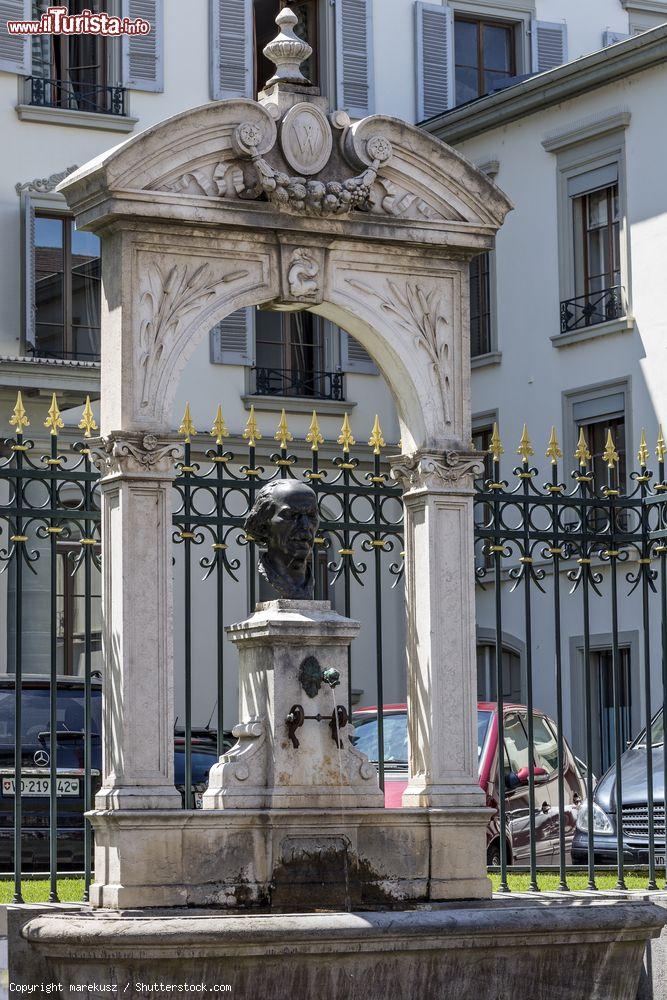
<point x="309" y="384"/>
<point x="72" y="96"/>
<point x="591" y="309"/>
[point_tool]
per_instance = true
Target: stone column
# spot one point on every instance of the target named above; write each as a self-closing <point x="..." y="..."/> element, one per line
<point x="138" y="739"/>
<point x="440" y="597"/>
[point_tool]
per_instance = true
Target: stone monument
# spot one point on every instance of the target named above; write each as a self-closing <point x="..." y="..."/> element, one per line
<point x="371" y="224"/>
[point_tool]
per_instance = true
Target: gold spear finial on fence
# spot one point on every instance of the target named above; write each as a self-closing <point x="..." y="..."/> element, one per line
<point x="643" y="453"/>
<point x="219" y="429"/>
<point x="53" y="420"/>
<point x="345" y="437"/>
<point x="660" y="447"/>
<point x="582" y="452"/>
<point x="87" y="423"/>
<point x="553" y="449"/>
<point x="610" y="454"/>
<point x="187" y="428"/>
<point x="283" y="434"/>
<point x="376" y="441"/>
<point x="525" y="448"/>
<point x="314" y="436"/>
<point x="19" y="418"/>
<point x="251" y="433"/>
<point x="495" y="444"/>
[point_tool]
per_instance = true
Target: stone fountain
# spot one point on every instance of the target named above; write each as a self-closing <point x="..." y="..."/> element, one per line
<point x="293" y="881"/>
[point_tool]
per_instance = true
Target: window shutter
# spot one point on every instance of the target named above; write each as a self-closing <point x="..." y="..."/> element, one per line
<point x="434" y="59"/>
<point x="549" y="45"/>
<point x="28" y="271"/>
<point x="232" y="340"/>
<point x="231" y="48"/>
<point x="611" y="37"/>
<point x="355" y="358"/>
<point x="15" y="50"/>
<point x="354" y="57"/>
<point x="143" y="55"/>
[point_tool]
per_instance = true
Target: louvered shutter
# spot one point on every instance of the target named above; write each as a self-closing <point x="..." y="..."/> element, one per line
<point x="232" y="340"/>
<point x="434" y="59"/>
<point x="354" y="57"/>
<point x="231" y="48"/>
<point x="355" y="358"/>
<point x="28" y="272"/>
<point x="611" y="37"/>
<point x="143" y="55"/>
<point x="549" y="45"/>
<point x="15" y="50"/>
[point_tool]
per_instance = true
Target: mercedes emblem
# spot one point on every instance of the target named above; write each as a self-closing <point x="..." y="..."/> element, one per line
<point x="41" y="758"/>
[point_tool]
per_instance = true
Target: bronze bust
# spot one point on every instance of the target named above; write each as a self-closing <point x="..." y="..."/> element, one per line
<point x="283" y="522"/>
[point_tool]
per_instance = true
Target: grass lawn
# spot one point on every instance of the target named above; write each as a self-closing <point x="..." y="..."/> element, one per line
<point x="70" y="890"/>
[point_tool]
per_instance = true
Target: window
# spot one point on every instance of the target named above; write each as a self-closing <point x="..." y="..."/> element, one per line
<point x="596" y="437"/>
<point x="517" y="751"/>
<point x="307" y="28"/>
<point x="70" y="71"/>
<point x="70" y="603"/>
<point x="484" y="57"/>
<point x="607" y="718"/>
<point x="545" y="745"/>
<point x="289" y="349"/>
<point x="486" y="674"/>
<point x="480" y="306"/>
<point x="67" y="290"/>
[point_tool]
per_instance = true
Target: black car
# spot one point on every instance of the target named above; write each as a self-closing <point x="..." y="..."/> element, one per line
<point x="634" y="805"/>
<point x="35" y="773"/>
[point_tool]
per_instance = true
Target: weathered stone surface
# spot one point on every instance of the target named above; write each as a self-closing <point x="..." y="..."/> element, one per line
<point x="546" y="950"/>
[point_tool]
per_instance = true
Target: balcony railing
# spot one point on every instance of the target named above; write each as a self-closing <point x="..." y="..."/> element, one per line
<point x="589" y="310"/>
<point x="72" y="96"/>
<point x="57" y="355"/>
<point x="313" y="385"/>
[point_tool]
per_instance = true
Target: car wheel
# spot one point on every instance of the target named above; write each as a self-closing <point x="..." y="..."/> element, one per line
<point x="493" y="855"/>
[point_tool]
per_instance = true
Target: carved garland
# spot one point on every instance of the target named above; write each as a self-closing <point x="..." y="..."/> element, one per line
<point x="302" y="195"/>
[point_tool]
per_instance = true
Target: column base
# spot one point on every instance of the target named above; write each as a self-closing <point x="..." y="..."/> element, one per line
<point x="420" y="794"/>
<point x="138" y="797"/>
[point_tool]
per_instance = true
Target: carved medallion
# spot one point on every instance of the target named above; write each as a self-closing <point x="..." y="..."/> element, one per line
<point x="306" y="139"/>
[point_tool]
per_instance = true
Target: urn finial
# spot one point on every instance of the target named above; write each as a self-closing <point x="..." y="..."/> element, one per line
<point x="287" y="51"/>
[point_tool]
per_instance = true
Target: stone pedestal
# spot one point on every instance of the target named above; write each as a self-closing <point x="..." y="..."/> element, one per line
<point x="286" y="649"/>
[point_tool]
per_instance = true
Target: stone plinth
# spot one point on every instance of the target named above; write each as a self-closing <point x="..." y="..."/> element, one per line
<point x="284" y="648"/>
<point x="528" y="950"/>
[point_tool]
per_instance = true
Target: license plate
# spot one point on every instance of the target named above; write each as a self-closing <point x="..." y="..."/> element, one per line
<point x="199" y="800"/>
<point x="660" y="860"/>
<point x="39" y="787"/>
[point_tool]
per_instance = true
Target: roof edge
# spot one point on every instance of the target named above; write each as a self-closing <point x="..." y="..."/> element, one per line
<point x="633" y="55"/>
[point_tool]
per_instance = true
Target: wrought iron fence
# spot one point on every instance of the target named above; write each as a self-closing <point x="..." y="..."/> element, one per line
<point x="593" y="308"/>
<point x="576" y="545"/>
<point x="309" y="384"/>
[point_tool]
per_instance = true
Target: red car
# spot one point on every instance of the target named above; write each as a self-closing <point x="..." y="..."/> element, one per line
<point x="545" y="764"/>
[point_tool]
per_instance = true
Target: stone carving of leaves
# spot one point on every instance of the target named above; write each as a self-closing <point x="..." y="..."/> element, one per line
<point x="416" y="308"/>
<point x="174" y="295"/>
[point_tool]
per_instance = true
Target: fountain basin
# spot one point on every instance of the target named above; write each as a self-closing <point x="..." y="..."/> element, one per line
<point x="544" y="949"/>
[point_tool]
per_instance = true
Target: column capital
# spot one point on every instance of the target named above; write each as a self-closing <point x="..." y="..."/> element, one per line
<point x="136" y="455"/>
<point x="437" y="471"/>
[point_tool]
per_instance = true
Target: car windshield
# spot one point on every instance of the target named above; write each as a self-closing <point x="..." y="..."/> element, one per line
<point x="35" y="713"/>
<point x="657" y="732"/>
<point x="396" y="735"/>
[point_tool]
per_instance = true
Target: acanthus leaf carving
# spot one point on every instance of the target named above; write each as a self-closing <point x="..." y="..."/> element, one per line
<point x="437" y="471"/>
<point x="172" y="297"/>
<point x="419" y="311"/>
<point x="120" y="453"/>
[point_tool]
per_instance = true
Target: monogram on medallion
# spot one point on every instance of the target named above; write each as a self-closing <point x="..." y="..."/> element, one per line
<point x="306" y="139"/>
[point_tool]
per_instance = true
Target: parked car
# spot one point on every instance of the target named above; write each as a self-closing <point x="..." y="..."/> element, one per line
<point x="545" y="763"/>
<point x="35" y="777"/>
<point x="634" y="806"/>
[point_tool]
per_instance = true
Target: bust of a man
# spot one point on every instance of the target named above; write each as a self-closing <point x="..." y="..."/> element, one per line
<point x="283" y="522"/>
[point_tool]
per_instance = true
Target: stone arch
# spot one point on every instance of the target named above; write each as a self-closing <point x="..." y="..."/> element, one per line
<point x="280" y="203"/>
